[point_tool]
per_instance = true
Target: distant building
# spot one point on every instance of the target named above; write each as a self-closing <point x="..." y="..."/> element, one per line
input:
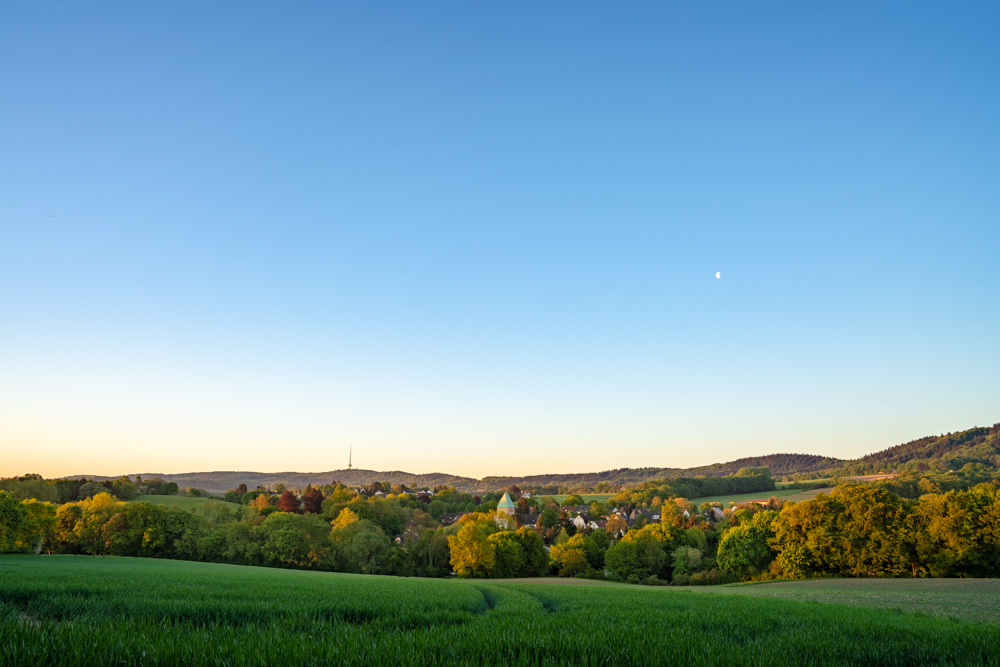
<point x="506" y="504"/>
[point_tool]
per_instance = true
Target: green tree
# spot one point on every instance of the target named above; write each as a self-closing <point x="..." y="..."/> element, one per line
<point x="548" y="518"/>
<point x="13" y="517"/>
<point x="398" y="562"/>
<point x="596" y="547"/>
<point x="388" y="515"/>
<point x="243" y="544"/>
<point x="124" y="489"/>
<point x="91" y="489"/>
<point x="368" y="547"/>
<point x="294" y="540"/>
<point x="136" y="529"/>
<point x="536" y="558"/>
<point x="39" y="529"/>
<point x="431" y="554"/>
<point x="685" y="561"/>
<point x="637" y="558"/>
<point x="182" y="531"/>
<point x="31" y="486"/>
<point x="745" y="549"/>
<point x="509" y="559"/>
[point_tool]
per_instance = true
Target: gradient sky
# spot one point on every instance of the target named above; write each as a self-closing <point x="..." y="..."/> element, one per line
<point x="482" y="238"/>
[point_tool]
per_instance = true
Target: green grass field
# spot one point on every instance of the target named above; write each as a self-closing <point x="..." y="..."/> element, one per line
<point x="966" y="599"/>
<point x="782" y="494"/>
<point x="587" y="497"/>
<point x="80" y="610"/>
<point x="201" y="506"/>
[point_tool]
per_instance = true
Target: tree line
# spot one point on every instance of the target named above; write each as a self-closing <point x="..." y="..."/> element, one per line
<point x="858" y="530"/>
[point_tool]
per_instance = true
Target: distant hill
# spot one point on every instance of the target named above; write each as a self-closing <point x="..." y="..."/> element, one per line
<point x="223" y="480"/>
<point x="779" y="464"/>
<point x="975" y="445"/>
<point x="953" y="450"/>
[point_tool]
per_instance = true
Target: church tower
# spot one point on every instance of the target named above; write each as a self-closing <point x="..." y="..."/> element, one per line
<point x="506" y="504"/>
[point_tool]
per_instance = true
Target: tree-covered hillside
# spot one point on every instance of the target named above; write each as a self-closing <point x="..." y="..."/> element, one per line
<point x="951" y="451"/>
<point x="777" y="464"/>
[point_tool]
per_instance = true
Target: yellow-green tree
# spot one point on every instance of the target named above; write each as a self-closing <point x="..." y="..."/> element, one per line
<point x="344" y="519"/>
<point x="571" y="556"/>
<point x="472" y="554"/>
<point x="957" y="532"/>
<point x="857" y="531"/>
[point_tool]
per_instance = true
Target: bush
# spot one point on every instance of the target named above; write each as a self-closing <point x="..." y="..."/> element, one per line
<point x="710" y="578"/>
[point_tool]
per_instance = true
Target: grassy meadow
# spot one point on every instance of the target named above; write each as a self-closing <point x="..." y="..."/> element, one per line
<point x="782" y="494"/>
<point x="203" y="506"/>
<point x="587" y="497"/>
<point x="72" y="610"/>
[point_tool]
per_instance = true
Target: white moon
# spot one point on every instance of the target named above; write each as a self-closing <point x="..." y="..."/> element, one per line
<point x="718" y="274"/>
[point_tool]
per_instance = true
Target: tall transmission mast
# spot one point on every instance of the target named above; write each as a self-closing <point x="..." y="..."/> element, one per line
<point x="350" y="451"/>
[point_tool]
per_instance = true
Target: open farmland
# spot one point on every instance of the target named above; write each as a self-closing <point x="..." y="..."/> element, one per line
<point x="68" y="610"/>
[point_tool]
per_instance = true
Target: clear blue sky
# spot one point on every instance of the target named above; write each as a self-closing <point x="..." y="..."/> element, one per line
<point x="483" y="238"/>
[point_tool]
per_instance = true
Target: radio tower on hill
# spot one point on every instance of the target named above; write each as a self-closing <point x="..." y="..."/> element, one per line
<point x="349" y="452"/>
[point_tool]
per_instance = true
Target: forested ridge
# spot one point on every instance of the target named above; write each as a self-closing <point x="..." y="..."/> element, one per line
<point x="778" y="464"/>
<point x="976" y="445"/>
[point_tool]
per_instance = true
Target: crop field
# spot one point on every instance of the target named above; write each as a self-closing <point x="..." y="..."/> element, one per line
<point x="76" y="610"/>
<point x="203" y="506"/>
<point x="965" y="599"/>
